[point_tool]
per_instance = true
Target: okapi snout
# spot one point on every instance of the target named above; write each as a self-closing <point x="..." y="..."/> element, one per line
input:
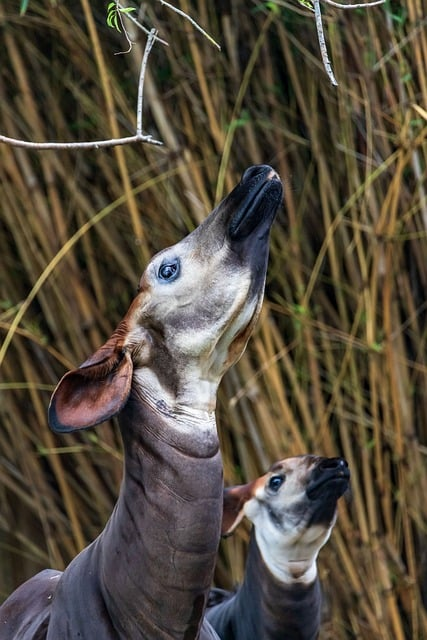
<point x="260" y="193"/>
<point x="329" y="478"/>
<point x="328" y="481"/>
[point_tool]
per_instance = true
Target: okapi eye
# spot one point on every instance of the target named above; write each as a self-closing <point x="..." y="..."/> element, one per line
<point x="169" y="271"/>
<point x="275" y="483"/>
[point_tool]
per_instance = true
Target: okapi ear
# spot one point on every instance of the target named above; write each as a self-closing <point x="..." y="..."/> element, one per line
<point x="94" y="392"/>
<point x="234" y="499"/>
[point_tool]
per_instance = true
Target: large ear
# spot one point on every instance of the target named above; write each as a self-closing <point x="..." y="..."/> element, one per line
<point x="94" y="392"/>
<point x="234" y="500"/>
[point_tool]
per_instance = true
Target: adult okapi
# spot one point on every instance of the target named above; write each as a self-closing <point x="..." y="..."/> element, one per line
<point x="148" y="574"/>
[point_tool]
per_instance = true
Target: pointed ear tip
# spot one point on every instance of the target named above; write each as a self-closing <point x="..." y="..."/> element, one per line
<point x="52" y="418"/>
<point x="74" y="421"/>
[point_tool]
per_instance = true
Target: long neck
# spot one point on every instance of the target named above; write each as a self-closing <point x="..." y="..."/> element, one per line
<point x="266" y="608"/>
<point x="160" y="544"/>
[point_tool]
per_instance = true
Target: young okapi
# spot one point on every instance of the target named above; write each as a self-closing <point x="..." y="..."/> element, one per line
<point x="293" y="510"/>
<point x="148" y="574"/>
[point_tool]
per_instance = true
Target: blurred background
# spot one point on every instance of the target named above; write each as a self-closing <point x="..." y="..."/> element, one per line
<point x="338" y="363"/>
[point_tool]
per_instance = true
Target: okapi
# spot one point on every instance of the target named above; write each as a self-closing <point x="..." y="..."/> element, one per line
<point x="293" y="510"/>
<point x="148" y="574"/>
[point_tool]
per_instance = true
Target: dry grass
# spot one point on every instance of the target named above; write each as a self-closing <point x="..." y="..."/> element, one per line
<point x="338" y="363"/>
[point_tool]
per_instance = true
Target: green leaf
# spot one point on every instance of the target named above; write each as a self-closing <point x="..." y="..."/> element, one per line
<point x="111" y="13"/>
<point x="113" y="20"/>
<point x="307" y="4"/>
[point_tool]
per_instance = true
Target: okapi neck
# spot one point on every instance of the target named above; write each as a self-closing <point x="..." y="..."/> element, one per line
<point x="173" y="427"/>
<point x="159" y="546"/>
<point x="277" y="610"/>
<point x="183" y="417"/>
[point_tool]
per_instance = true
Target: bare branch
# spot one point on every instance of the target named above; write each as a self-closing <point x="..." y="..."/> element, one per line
<point x="138" y="137"/>
<point x="95" y="144"/>
<point x="193" y="22"/>
<point x="314" y="6"/>
<point x="322" y="45"/>
<point x="361" y="5"/>
<point x="149" y="45"/>
<point x="98" y="144"/>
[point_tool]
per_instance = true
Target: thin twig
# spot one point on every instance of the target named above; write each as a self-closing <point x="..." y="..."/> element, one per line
<point x="361" y="5"/>
<point x="136" y="22"/>
<point x="319" y="25"/>
<point x="322" y="45"/>
<point x="149" y="45"/>
<point x="128" y="40"/>
<point x="95" y="144"/>
<point x="193" y="22"/>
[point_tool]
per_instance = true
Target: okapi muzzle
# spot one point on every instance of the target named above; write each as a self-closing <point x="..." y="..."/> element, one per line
<point x="147" y="575"/>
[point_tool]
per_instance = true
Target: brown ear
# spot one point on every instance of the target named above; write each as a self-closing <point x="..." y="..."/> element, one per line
<point x="94" y="392"/>
<point x="234" y="499"/>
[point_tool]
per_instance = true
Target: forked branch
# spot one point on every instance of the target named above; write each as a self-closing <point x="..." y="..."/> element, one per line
<point x="118" y="14"/>
<point x="98" y="144"/>
<point x="320" y="33"/>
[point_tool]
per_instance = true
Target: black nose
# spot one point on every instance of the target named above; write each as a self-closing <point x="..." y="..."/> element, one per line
<point x="255" y="201"/>
<point x="334" y="464"/>
<point x="329" y="477"/>
<point x="256" y="170"/>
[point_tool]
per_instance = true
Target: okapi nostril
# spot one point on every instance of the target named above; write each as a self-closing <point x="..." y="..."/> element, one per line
<point x="333" y="463"/>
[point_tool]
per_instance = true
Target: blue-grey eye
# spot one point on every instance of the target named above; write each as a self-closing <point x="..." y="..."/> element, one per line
<point x="169" y="271"/>
<point x="275" y="483"/>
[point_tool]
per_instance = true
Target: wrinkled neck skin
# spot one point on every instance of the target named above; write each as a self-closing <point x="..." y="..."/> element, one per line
<point x="168" y="519"/>
<point x="268" y="608"/>
<point x="151" y="568"/>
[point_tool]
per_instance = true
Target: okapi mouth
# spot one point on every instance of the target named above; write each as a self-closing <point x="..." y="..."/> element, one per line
<point x="330" y="480"/>
<point x="260" y="193"/>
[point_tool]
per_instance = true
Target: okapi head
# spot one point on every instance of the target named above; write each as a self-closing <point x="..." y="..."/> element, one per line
<point x="293" y="509"/>
<point x="196" y="307"/>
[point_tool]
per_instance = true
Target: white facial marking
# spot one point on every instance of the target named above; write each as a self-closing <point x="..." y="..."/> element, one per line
<point x="200" y="312"/>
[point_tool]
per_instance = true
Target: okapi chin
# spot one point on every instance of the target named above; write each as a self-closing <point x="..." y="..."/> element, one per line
<point x="147" y="575"/>
<point x="293" y="511"/>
